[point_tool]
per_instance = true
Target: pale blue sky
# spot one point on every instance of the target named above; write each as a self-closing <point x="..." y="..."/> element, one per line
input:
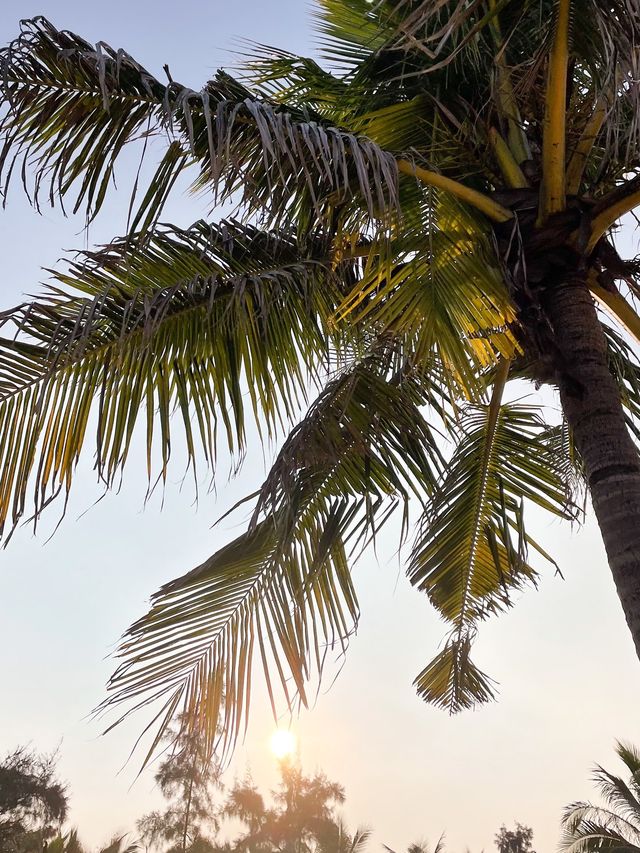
<point x="570" y="682"/>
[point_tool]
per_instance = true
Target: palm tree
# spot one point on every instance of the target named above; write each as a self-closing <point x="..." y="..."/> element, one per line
<point x="422" y="847"/>
<point x="616" y="826"/>
<point x="70" y="843"/>
<point x="419" y="221"/>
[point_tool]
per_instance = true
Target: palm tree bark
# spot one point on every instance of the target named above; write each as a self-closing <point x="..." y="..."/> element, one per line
<point x="593" y="409"/>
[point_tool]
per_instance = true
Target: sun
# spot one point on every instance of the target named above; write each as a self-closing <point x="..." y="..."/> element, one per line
<point x="283" y="744"/>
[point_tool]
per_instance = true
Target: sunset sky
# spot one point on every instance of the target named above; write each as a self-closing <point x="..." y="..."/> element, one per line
<point x="569" y="679"/>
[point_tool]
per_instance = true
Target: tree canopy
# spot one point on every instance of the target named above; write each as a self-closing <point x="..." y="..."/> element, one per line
<point x="421" y="217"/>
<point x="33" y="802"/>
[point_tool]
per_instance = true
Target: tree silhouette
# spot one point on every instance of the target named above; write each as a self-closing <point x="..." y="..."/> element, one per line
<point x="32" y="800"/>
<point x="187" y="778"/>
<point x="301" y="819"/>
<point x="518" y="840"/>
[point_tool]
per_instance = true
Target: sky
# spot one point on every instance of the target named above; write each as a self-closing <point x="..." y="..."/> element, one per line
<point x="569" y="679"/>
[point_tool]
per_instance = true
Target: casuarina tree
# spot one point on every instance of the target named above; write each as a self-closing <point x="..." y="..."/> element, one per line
<point x="423" y="216"/>
<point x="186" y="777"/>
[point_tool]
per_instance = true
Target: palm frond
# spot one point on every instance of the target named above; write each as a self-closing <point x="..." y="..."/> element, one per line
<point x="188" y="322"/>
<point x="283" y="589"/>
<point x="71" y="109"/>
<point x="625" y="368"/>
<point x="615" y="826"/>
<point x="350" y="31"/>
<point x="284" y="77"/>
<point x="559" y="444"/>
<point x="588" y="828"/>
<point x="472" y="551"/>
<point x="452" y="681"/>
<point x="619" y="796"/>
<point x="630" y="755"/>
<point x="442" y="285"/>
<point x="360" y="839"/>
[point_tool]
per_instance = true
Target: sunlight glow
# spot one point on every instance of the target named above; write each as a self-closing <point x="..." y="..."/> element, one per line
<point x="283" y="744"/>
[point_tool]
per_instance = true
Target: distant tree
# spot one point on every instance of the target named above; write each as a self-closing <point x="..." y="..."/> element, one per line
<point x="421" y="847"/>
<point x="518" y="840"/>
<point x="33" y="802"/>
<point x="118" y="844"/>
<point x="615" y="826"/>
<point x="186" y="778"/>
<point x="70" y="843"/>
<point x="302" y="818"/>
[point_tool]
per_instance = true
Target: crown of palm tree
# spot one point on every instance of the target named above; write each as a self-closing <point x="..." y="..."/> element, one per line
<point x="399" y="214"/>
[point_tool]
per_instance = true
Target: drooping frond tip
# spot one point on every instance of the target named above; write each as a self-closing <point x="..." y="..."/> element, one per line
<point x="282" y="592"/>
<point x="72" y="109"/>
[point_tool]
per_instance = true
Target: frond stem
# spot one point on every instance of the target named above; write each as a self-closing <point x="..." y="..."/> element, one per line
<point x="511" y="171"/>
<point x="618" y="306"/>
<point x="494" y="211"/>
<point x="609" y="209"/>
<point x="506" y="100"/>
<point x="502" y="374"/>
<point x="578" y="160"/>
<point x="553" y="189"/>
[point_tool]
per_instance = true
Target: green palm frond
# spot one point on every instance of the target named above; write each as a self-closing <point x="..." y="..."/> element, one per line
<point x="560" y="446"/>
<point x="299" y="81"/>
<point x="625" y="369"/>
<point x="452" y="680"/>
<point x="404" y="48"/>
<point x="441" y="285"/>
<point x="472" y="552"/>
<point x="590" y="829"/>
<point x="359" y="271"/>
<point x="283" y="589"/>
<point x="350" y="30"/>
<point x="72" y="109"/>
<point x="615" y="826"/>
<point x="189" y="322"/>
<point x="396" y="120"/>
<point x="262" y="595"/>
<point x="630" y="755"/>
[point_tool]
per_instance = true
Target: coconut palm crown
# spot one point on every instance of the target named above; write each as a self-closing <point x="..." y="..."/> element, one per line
<point x="421" y="217"/>
<point x="614" y="826"/>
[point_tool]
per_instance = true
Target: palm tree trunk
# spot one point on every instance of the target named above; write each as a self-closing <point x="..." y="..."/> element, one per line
<point x="593" y="409"/>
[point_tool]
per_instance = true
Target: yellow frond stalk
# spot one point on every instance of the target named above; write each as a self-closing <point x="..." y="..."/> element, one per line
<point x="507" y="104"/>
<point x="578" y="160"/>
<point x="610" y="215"/>
<point x="553" y="190"/>
<point x="511" y="171"/>
<point x="618" y="306"/>
<point x="481" y="202"/>
<point x="502" y="374"/>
